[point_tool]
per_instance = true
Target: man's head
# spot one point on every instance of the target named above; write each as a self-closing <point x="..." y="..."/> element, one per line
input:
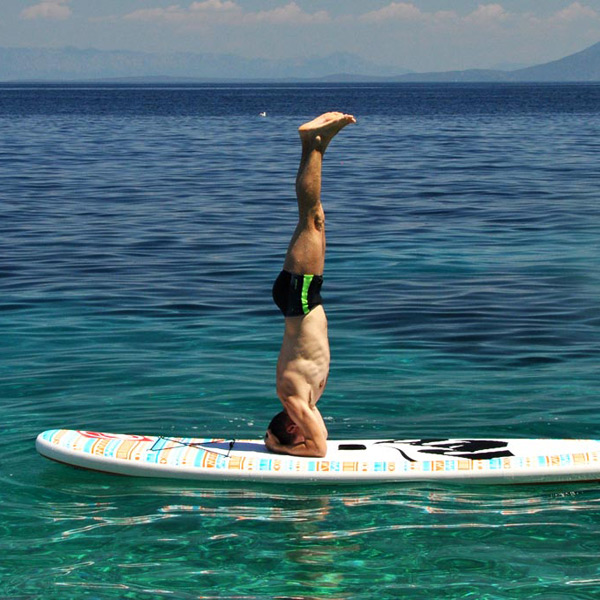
<point x="284" y="429"/>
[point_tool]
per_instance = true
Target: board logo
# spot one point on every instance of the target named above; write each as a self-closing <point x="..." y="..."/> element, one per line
<point x="471" y="449"/>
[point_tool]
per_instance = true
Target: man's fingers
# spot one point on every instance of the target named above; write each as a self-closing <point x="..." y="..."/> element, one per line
<point x="271" y="437"/>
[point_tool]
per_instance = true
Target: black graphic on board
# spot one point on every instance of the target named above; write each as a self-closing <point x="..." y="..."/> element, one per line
<point x="471" y="449"/>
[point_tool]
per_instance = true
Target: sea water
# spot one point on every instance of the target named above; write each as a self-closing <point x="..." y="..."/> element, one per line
<point x="140" y="230"/>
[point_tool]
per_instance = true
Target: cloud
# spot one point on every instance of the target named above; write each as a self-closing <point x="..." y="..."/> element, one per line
<point x="290" y="13"/>
<point x="402" y="11"/>
<point x="484" y="14"/>
<point x="226" y="12"/>
<point x="487" y="14"/>
<point x="49" y="9"/>
<point x="170" y="14"/>
<point x="575" y="12"/>
<point x="231" y="12"/>
<point x="215" y="5"/>
<point x="177" y="14"/>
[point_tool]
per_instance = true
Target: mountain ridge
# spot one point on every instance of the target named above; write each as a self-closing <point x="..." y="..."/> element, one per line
<point x="581" y="66"/>
<point x="76" y="64"/>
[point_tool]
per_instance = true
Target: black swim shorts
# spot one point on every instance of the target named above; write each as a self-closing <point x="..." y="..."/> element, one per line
<point x="297" y="295"/>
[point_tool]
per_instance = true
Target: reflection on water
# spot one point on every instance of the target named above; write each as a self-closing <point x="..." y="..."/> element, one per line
<point x="164" y="539"/>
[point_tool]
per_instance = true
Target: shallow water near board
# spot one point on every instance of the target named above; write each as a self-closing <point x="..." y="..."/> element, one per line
<point x="140" y="231"/>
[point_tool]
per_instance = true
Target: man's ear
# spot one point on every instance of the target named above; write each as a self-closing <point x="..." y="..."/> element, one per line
<point x="291" y="428"/>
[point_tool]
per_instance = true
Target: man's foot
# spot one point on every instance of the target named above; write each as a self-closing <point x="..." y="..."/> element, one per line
<point x="320" y="131"/>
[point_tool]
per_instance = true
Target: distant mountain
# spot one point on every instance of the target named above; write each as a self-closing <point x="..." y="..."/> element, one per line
<point x="18" y="64"/>
<point x="75" y="64"/>
<point x="582" y="66"/>
<point x="505" y="66"/>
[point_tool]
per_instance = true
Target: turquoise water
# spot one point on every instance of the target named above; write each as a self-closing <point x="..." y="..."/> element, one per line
<point x="140" y="231"/>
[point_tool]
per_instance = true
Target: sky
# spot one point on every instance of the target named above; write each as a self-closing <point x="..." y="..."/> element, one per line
<point x="420" y="35"/>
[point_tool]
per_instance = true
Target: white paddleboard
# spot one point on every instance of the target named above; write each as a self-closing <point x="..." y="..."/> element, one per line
<point x="347" y="461"/>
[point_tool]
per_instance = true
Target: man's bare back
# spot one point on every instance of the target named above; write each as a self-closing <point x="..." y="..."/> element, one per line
<point x="303" y="365"/>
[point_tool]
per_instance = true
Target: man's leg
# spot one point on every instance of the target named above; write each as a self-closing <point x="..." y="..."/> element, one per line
<point x="306" y="252"/>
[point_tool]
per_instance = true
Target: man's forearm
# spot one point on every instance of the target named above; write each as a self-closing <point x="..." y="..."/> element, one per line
<point x="301" y="449"/>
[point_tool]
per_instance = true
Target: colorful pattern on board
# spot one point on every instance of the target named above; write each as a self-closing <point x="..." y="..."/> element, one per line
<point x="188" y="452"/>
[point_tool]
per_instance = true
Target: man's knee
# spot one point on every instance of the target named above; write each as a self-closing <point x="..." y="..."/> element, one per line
<point x="317" y="217"/>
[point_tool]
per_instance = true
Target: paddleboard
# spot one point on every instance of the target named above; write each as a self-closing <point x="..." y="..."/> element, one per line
<point x="480" y="461"/>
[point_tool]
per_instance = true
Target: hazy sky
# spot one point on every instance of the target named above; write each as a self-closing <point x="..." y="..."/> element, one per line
<point x="419" y="35"/>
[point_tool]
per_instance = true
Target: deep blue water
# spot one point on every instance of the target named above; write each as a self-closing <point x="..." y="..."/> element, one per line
<point x="140" y="230"/>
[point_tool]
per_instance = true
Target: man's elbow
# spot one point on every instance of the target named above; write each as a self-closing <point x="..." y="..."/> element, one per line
<point x="311" y="449"/>
<point x="320" y="450"/>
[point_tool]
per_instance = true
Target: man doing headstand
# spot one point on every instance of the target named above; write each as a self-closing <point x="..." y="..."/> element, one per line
<point x="303" y="364"/>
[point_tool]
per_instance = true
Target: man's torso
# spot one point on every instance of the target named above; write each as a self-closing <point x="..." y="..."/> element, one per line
<point x="303" y="364"/>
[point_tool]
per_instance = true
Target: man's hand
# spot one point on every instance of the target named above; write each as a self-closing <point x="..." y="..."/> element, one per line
<point x="272" y="442"/>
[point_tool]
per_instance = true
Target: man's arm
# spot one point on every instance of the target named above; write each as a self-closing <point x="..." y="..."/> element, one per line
<point x="310" y="423"/>
<point x="305" y="448"/>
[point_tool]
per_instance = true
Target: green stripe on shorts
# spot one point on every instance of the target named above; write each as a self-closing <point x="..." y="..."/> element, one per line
<point x="307" y="280"/>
